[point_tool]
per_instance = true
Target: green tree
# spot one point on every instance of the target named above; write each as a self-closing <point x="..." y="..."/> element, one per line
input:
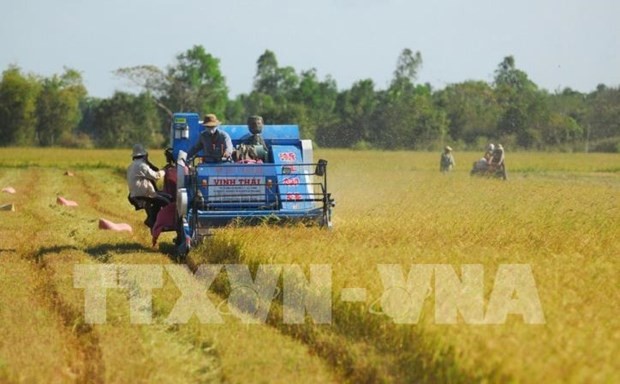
<point x="567" y="116"/>
<point x="471" y="109"/>
<point x="152" y="80"/>
<point x="272" y="80"/>
<point x="18" y="95"/>
<point x="196" y="84"/>
<point x="405" y="74"/>
<point x="235" y="111"/>
<point x="318" y="99"/>
<point x="524" y="108"/>
<point x="257" y="103"/>
<point x="266" y="78"/>
<point x="410" y="122"/>
<point x="58" y="108"/>
<point x="355" y="109"/>
<point x="406" y="117"/>
<point x="282" y="96"/>
<point x="604" y="112"/>
<point x="561" y="129"/>
<point x="87" y="108"/>
<point x="126" y="119"/>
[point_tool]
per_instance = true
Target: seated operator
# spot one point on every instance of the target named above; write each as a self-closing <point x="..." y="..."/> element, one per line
<point x="255" y="126"/>
<point x="215" y="144"/>
<point x="253" y="147"/>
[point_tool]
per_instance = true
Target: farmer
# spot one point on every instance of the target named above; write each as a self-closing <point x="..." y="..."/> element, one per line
<point x="497" y="156"/>
<point x="496" y="164"/>
<point x="167" y="216"/>
<point x="170" y="177"/>
<point x="141" y="181"/>
<point x="253" y="148"/>
<point x="446" y="162"/>
<point x="489" y="151"/>
<point x="255" y="126"/>
<point x="215" y="144"/>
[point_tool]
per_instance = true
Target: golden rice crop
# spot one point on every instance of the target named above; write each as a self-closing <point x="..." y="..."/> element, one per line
<point x="557" y="213"/>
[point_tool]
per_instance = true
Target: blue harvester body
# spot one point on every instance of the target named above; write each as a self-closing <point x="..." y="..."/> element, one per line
<point x="286" y="184"/>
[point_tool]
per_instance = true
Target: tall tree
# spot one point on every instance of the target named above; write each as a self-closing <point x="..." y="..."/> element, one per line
<point x="270" y="79"/>
<point x="58" y="108"/>
<point x="196" y="83"/>
<point x="406" y="73"/>
<point x="406" y="116"/>
<point x="150" y="79"/>
<point x="525" y="109"/>
<point x="18" y="95"/>
<point x="407" y="65"/>
<point x="266" y="77"/>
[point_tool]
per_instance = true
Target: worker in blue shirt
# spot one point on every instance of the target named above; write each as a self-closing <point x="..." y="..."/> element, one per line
<point x="215" y="144"/>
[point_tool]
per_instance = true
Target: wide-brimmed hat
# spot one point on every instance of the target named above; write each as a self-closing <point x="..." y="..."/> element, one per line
<point x="448" y="148"/>
<point x="210" y="120"/>
<point x="138" y="150"/>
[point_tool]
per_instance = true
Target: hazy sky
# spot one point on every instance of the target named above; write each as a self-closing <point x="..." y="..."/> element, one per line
<point x="558" y="43"/>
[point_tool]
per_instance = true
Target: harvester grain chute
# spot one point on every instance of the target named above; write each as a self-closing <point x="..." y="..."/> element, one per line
<point x="284" y="184"/>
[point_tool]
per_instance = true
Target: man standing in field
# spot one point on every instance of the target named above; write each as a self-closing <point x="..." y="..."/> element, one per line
<point x="446" y="163"/>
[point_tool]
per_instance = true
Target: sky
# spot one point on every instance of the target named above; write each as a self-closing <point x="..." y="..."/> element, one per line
<point x="558" y="43"/>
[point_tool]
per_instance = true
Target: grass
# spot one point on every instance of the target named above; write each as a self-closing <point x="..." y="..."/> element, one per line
<point x="557" y="213"/>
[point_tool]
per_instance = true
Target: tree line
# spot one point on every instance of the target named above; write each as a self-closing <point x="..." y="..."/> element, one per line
<point x="512" y="109"/>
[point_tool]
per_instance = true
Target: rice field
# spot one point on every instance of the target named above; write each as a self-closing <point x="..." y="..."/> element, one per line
<point x="556" y="217"/>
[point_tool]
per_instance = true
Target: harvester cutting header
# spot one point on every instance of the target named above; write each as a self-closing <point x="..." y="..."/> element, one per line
<point x="251" y="173"/>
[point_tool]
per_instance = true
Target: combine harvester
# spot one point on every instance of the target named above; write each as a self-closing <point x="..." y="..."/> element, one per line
<point x="284" y="185"/>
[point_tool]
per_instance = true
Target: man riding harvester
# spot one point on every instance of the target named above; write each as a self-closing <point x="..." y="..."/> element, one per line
<point x="242" y="173"/>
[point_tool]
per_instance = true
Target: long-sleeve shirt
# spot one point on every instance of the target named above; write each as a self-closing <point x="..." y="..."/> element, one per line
<point x="214" y="146"/>
<point x="446" y="162"/>
<point x="141" y="179"/>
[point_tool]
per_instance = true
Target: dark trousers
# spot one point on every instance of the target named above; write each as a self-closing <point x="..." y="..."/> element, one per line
<point x="151" y="205"/>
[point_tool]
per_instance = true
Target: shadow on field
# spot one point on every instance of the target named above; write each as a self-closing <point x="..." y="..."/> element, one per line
<point x="38" y="255"/>
<point x="102" y="253"/>
<point x="171" y="250"/>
